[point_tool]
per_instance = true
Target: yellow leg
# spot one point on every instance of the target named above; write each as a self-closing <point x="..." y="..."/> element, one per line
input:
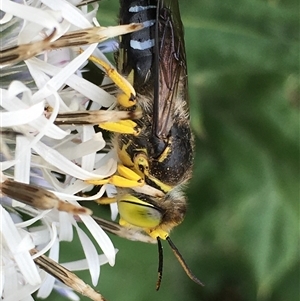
<point x="122" y="127"/>
<point x="106" y="201"/>
<point x="127" y="178"/>
<point x="128" y="98"/>
<point x="123" y="223"/>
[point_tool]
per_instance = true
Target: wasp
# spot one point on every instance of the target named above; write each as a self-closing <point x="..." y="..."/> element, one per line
<point x="157" y="150"/>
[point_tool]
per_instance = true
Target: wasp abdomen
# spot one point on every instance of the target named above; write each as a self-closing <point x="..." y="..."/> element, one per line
<point x="138" y="47"/>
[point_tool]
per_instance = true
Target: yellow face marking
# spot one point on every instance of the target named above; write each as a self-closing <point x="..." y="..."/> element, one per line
<point x="154" y="233"/>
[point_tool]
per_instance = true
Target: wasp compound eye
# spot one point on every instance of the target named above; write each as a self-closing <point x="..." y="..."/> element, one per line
<point x="139" y="213"/>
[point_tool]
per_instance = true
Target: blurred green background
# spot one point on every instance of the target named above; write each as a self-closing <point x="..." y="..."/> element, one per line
<point x="241" y="232"/>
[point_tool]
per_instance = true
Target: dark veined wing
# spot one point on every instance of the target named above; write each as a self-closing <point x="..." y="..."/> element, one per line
<point x="170" y="67"/>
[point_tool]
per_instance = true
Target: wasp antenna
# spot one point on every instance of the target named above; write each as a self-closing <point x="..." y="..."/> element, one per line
<point x="160" y="263"/>
<point x="182" y="262"/>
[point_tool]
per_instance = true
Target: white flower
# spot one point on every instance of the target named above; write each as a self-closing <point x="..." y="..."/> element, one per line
<point x="35" y="150"/>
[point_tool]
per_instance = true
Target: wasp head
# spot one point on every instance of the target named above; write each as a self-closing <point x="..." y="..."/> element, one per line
<point x="155" y="215"/>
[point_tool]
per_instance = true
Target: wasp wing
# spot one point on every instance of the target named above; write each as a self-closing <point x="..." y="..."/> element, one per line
<point x="170" y="67"/>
